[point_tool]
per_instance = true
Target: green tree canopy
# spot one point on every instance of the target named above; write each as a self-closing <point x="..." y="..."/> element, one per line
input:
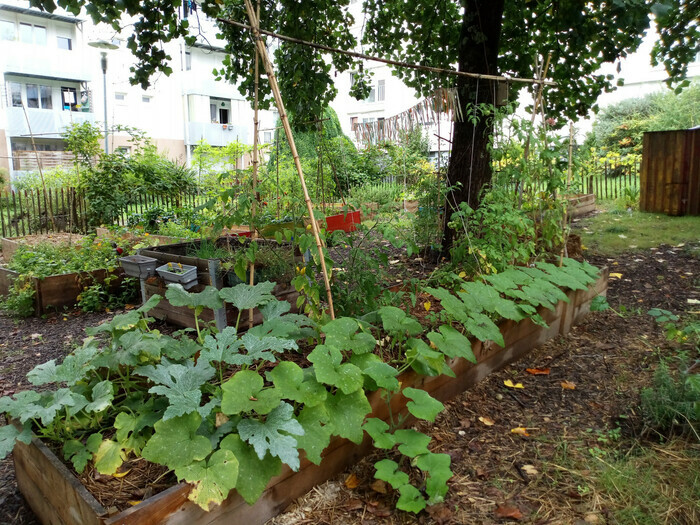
<point x="480" y="36"/>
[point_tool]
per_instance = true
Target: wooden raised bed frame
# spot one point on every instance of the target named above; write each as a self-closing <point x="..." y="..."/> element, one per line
<point x="57" y="497"/>
<point x="208" y="274"/>
<point x="58" y="291"/>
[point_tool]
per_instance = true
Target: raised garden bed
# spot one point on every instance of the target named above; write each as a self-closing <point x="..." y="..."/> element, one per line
<point x="209" y="273"/>
<point x="581" y="204"/>
<point x="56" y="292"/>
<point x="56" y="496"/>
<point x="10" y="244"/>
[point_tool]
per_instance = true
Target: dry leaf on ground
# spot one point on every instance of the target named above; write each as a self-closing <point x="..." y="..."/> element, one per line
<point x="538" y="371"/>
<point x="352" y="481"/>
<point x="568" y="385"/>
<point x="487" y="421"/>
<point x="510" y="384"/>
<point x="506" y="511"/>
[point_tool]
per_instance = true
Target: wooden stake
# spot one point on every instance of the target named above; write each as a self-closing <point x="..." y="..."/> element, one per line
<point x="292" y="146"/>
<point x="255" y="168"/>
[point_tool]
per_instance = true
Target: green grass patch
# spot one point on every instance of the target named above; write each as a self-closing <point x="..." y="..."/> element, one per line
<point x="614" y="232"/>
<point x="656" y="485"/>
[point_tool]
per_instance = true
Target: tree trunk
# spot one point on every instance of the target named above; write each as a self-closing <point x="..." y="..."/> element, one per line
<point x="470" y="161"/>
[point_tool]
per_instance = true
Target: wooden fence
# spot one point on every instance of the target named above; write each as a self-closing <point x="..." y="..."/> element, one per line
<point x="29" y="212"/>
<point x="671" y="172"/>
<point x="608" y="179"/>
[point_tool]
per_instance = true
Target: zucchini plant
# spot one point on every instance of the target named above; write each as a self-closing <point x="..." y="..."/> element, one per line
<point x="224" y="410"/>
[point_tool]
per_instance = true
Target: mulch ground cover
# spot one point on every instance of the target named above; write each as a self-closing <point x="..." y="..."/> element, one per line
<point x="499" y="475"/>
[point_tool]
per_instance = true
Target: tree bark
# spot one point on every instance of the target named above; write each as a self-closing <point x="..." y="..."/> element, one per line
<point x="470" y="161"/>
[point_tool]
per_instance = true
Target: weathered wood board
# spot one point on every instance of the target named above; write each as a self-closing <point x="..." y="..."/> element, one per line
<point x="57" y="291"/>
<point x="171" y="506"/>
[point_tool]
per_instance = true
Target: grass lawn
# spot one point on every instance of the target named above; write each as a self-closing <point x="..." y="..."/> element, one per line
<point x="613" y="232"/>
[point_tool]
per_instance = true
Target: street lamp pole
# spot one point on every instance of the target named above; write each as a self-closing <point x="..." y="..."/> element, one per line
<point x="104" y="45"/>
<point x="103" y="61"/>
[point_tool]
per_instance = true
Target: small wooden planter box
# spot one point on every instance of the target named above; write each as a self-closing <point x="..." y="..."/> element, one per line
<point x="57" y="291"/>
<point x="57" y="497"/>
<point x="208" y="274"/>
<point x="581" y="204"/>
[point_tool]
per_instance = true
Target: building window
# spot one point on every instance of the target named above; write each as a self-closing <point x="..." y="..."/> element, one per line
<point x="146" y="99"/>
<point x="219" y="110"/>
<point x="32" y="96"/>
<point x="123" y="150"/>
<point x="188" y="61"/>
<point x="16" y="94"/>
<point x="7" y="30"/>
<point x="30" y="34"/>
<point x="372" y="95"/>
<point x="381" y="90"/>
<point x="353" y="123"/>
<point x="64" y="42"/>
<point x="120" y="97"/>
<point x="267" y="137"/>
<point x="69" y="98"/>
<point x="45" y="97"/>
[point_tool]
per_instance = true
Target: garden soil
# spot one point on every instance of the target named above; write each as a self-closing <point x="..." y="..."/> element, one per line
<point x="499" y="475"/>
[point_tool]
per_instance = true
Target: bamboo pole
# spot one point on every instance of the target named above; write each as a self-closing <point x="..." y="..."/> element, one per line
<point x="38" y="164"/>
<point x="260" y="44"/>
<point x="253" y="209"/>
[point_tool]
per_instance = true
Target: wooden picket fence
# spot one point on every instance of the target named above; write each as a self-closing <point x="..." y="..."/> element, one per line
<point x="37" y="211"/>
<point x="29" y="212"/>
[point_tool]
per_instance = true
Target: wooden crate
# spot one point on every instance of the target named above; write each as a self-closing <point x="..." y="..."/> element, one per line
<point x="580" y="204"/>
<point x="208" y="274"/>
<point x="57" y="497"/>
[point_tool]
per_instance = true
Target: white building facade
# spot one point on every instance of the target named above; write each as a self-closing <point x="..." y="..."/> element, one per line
<point x="50" y="77"/>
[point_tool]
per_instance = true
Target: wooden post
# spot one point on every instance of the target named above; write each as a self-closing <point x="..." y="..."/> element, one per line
<point x="292" y="146"/>
<point x="256" y="124"/>
<point x="569" y="171"/>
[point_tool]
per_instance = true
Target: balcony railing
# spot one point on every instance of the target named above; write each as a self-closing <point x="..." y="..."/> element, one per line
<point x="27" y="160"/>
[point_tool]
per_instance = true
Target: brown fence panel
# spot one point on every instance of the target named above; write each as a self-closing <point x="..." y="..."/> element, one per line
<point x="670" y="174"/>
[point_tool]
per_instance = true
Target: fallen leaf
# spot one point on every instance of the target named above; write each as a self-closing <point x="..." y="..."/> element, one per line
<point x="352" y="481"/>
<point x="379" y="486"/>
<point x="615" y="275"/>
<point x="354" y="504"/>
<point x="465" y="423"/>
<point x="510" y="384"/>
<point x="440" y="513"/>
<point x="693" y="301"/>
<point x="121" y="474"/>
<point x="426" y="305"/>
<point x="462" y="275"/>
<point x="538" y="371"/>
<point x="504" y="511"/>
<point x="128" y="306"/>
<point x="378" y="510"/>
<point x="568" y="385"/>
<point x="530" y="470"/>
<point x="135" y="502"/>
<point x="487" y="421"/>
<point x="519" y="430"/>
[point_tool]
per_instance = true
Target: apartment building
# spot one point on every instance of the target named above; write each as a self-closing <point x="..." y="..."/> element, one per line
<point x="51" y="76"/>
